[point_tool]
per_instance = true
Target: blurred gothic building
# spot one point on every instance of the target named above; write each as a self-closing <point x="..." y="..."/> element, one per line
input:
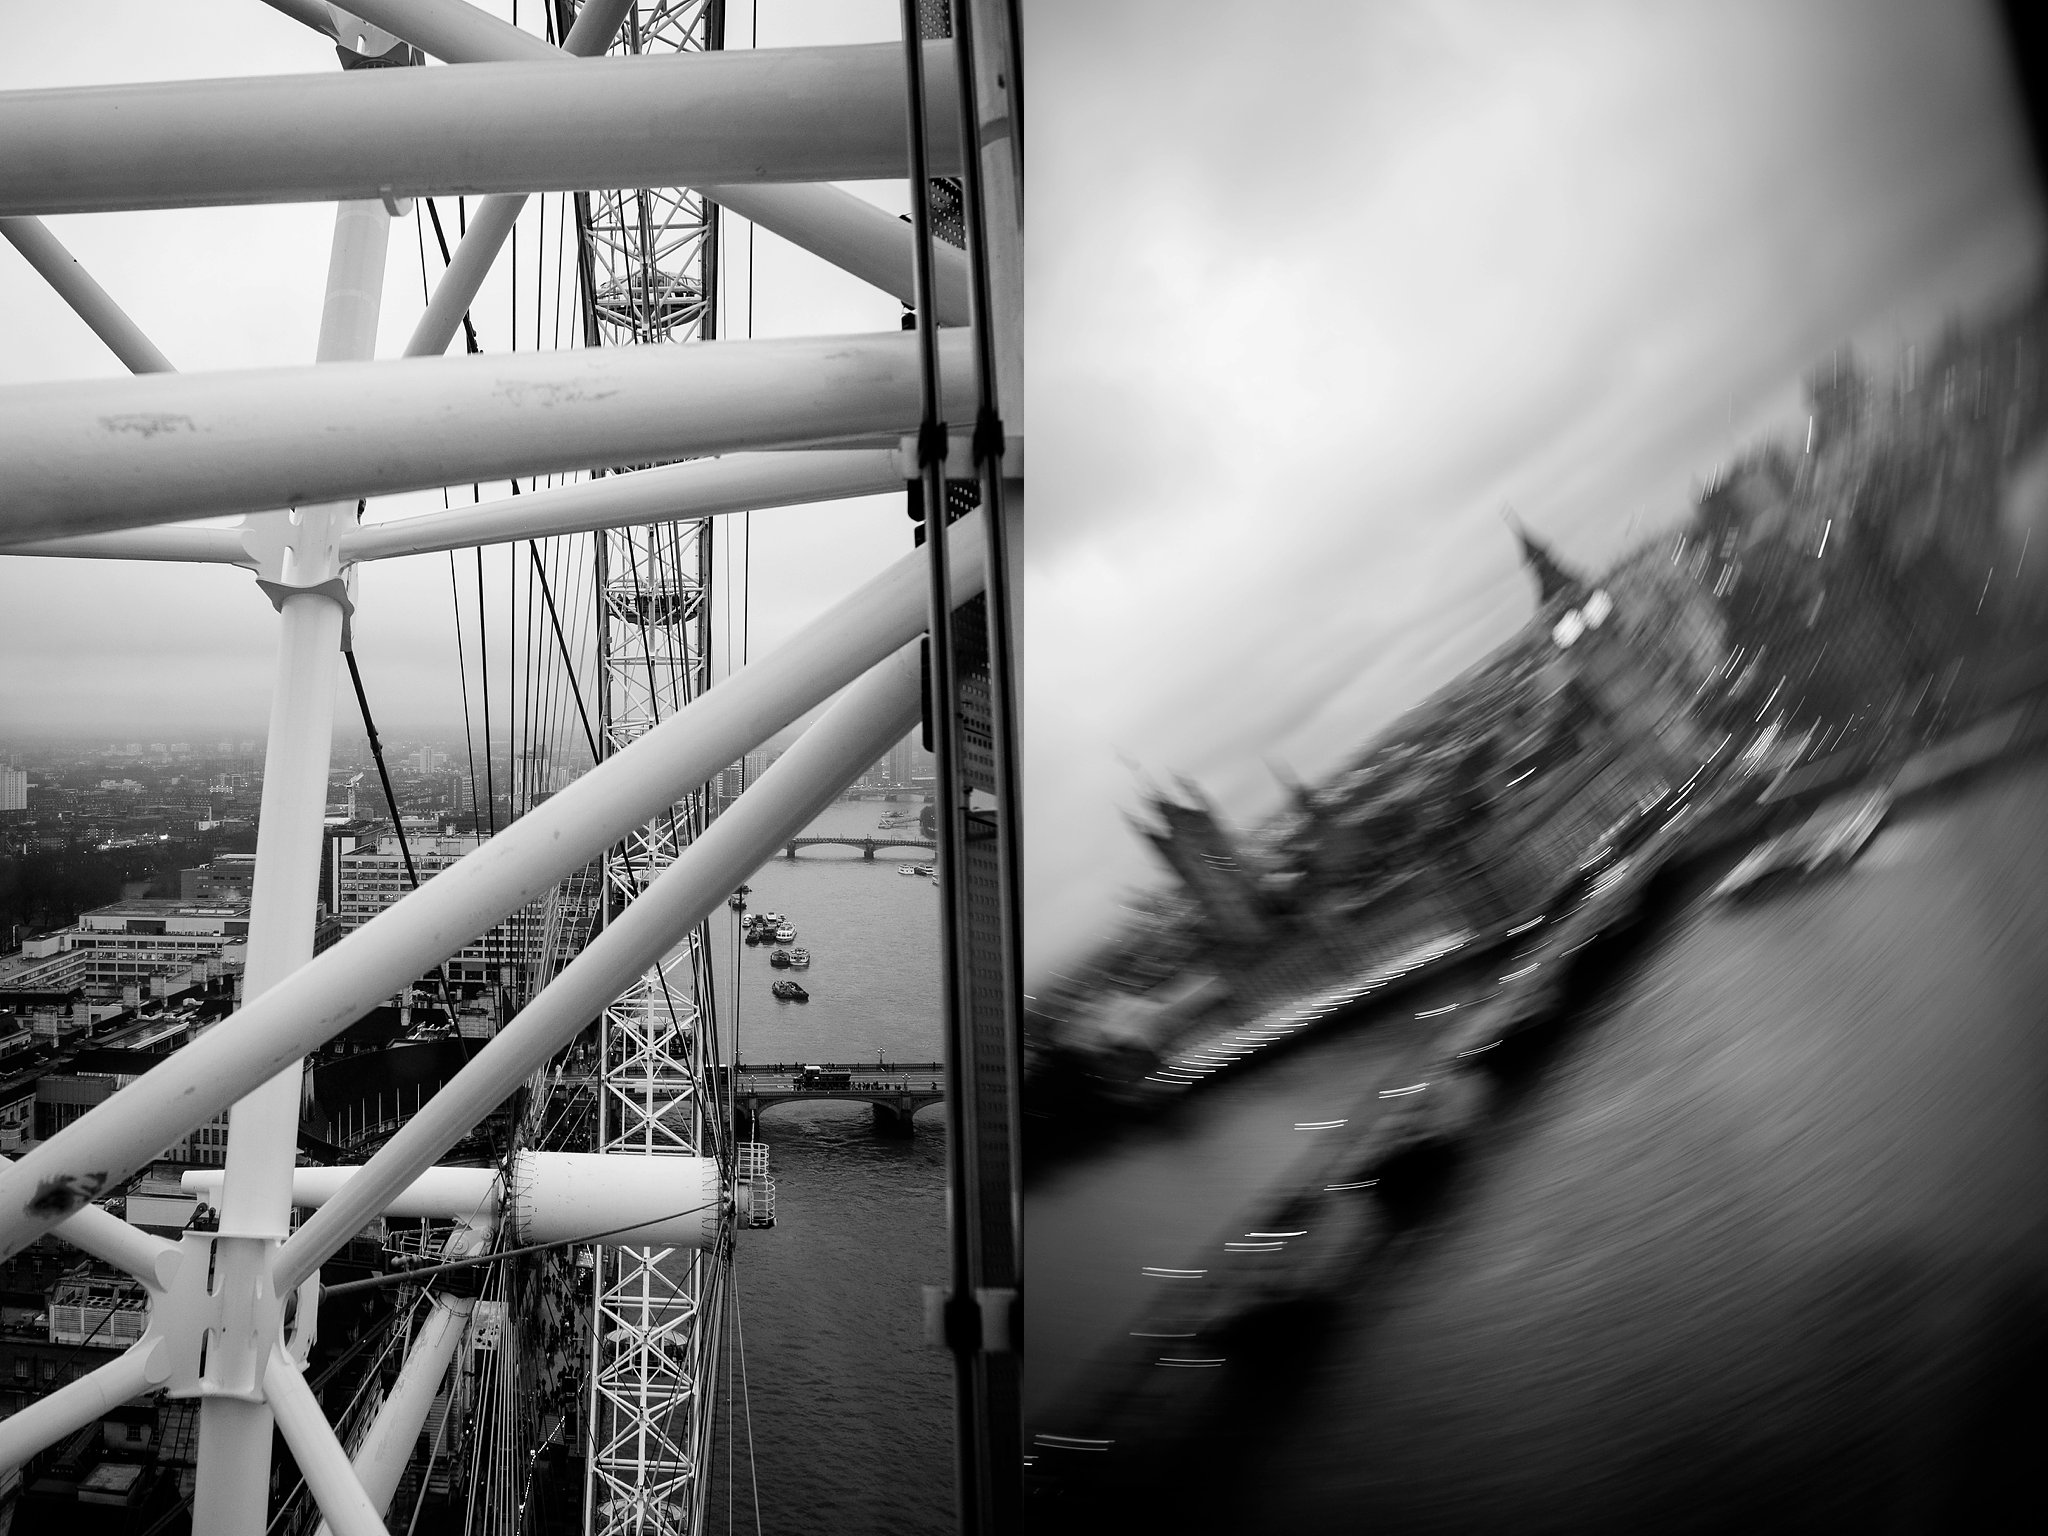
<point x="1823" y="609"/>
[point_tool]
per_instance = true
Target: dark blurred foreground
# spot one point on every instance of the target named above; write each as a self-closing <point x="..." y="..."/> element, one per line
<point x="1758" y="1242"/>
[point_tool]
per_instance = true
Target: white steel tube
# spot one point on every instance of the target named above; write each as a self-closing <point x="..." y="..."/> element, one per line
<point x="782" y="114"/>
<point x="467" y="269"/>
<point x="320" y="1456"/>
<point x="739" y="482"/>
<point x="233" y="1487"/>
<point x="853" y="235"/>
<point x="110" y="1239"/>
<point x="324" y="997"/>
<point x="1003" y="209"/>
<point x="221" y="546"/>
<point x="97" y="454"/>
<point x="60" y="269"/>
<point x="387" y="1445"/>
<point x="856" y="730"/>
<point x="355" y="282"/>
<point x="466" y="1194"/>
<point x="113" y="1241"/>
<point x="144" y="1365"/>
<point x="263" y="1128"/>
<point x="310" y="13"/>
<point x="615" y="1199"/>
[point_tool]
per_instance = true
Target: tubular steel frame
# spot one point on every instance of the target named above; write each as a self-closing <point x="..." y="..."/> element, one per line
<point x="218" y="1327"/>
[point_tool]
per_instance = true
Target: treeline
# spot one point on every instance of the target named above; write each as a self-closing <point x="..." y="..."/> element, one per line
<point x="40" y="891"/>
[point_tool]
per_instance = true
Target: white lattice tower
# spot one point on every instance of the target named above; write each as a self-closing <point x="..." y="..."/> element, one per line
<point x="649" y="263"/>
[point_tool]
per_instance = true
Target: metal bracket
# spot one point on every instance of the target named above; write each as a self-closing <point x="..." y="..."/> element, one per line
<point x="300" y="551"/>
<point x="214" y="1339"/>
<point x="363" y="46"/>
<point x="960" y="456"/>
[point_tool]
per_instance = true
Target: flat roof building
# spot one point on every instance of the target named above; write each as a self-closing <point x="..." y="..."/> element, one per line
<point x="371" y="878"/>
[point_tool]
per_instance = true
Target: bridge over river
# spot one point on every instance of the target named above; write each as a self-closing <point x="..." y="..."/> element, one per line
<point x="896" y="1090"/>
<point x="866" y="845"/>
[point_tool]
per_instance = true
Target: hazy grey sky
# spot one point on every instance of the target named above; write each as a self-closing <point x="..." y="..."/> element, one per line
<point x="133" y="649"/>
<point x="1317" y="289"/>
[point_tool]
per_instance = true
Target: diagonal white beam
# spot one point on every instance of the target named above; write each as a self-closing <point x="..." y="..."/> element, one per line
<point x="857" y="729"/>
<point x="591" y="34"/>
<point x="855" y="236"/>
<point x="782" y="114"/>
<point x="387" y="1445"/>
<point x="107" y="1237"/>
<point x="87" y="456"/>
<point x="219" y="546"/>
<point x="60" y="269"/>
<point x="113" y="1241"/>
<point x="324" y="997"/>
<point x="310" y="13"/>
<point x="74" y="1405"/>
<point x="461" y="34"/>
<point x="319" y="1454"/>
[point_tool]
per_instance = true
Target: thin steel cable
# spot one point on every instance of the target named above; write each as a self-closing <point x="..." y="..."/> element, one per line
<point x="412" y="875"/>
<point x="483" y="641"/>
<point x="555" y="619"/>
<point x="462" y="671"/>
<point x="454" y="592"/>
<point x="468" y="326"/>
<point x="746" y="1394"/>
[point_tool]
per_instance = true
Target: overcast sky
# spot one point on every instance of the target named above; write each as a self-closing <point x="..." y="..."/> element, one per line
<point x="178" y="652"/>
<point x="1317" y="289"/>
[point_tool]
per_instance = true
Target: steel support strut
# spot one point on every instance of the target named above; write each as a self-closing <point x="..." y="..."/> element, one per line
<point x="127" y="452"/>
<point x="387" y="1444"/>
<point x="304" y="580"/>
<point x="777" y="115"/>
<point x="60" y="269"/>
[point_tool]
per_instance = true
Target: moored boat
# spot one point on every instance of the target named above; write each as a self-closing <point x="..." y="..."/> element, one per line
<point x="780" y="959"/>
<point x="800" y="959"/>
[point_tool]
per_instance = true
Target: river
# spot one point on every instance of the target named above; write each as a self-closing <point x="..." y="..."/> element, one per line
<point x="850" y="1412"/>
<point x="1758" y="1243"/>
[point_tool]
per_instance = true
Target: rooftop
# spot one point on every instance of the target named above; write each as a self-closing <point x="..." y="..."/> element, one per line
<point x="169" y="906"/>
